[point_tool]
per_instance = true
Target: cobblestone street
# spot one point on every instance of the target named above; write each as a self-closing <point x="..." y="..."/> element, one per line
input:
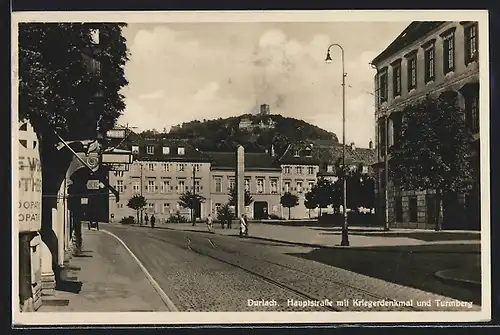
<point x="209" y="272"/>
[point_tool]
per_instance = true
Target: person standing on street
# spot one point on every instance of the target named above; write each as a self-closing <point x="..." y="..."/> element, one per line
<point x="146" y="219"/>
<point x="153" y="220"/>
<point x="210" y="222"/>
<point x="243" y="226"/>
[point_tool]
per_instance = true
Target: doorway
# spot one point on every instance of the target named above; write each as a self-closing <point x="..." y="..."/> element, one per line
<point x="260" y="210"/>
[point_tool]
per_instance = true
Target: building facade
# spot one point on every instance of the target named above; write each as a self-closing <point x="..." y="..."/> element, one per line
<point x="427" y="58"/>
<point x="163" y="170"/>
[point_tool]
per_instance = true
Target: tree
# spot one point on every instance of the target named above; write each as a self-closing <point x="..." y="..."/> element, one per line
<point x="323" y="193"/>
<point x="225" y="215"/>
<point x="137" y="203"/>
<point x="289" y="200"/>
<point x="191" y="201"/>
<point x="310" y="202"/>
<point x="433" y="149"/>
<point x="367" y="191"/>
<point x="233" y="197"/>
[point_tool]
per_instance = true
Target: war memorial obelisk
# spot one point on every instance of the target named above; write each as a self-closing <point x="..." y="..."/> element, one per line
<point x="240" y="181"/>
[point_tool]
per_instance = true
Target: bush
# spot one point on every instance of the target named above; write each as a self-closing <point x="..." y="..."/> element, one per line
<point x="177" y="218"/>
<point x="275" y="217"/>
<point x="127" y="220"/>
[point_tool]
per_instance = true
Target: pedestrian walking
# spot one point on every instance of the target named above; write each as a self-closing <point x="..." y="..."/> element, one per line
<point x="146" y="219"/>
<point x="210" y="222"/>
<point x="153" y="220"/>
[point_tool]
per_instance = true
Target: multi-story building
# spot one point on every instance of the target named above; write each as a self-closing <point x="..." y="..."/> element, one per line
<point x="427" y="58"/>
<point x="162" y="171"/>
<point x="304" y="163"/>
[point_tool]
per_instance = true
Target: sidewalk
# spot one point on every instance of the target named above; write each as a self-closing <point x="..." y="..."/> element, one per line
<point x="104" y="278"/>
<point x="330" y="237"/>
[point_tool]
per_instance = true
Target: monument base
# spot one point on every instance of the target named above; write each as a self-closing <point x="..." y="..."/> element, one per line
<point x="48" y="283"/>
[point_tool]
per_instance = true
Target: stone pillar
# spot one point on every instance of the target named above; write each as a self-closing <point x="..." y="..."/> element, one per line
<point x="240" y="180"/>
<point x="36" y="271"/>
<point x="47" y="274"/>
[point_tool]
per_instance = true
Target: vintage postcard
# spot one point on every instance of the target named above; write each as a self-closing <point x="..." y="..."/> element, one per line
<point x="250" y="167"/>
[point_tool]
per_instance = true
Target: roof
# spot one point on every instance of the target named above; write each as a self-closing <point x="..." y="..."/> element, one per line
<point x="253" y="161"/>
<point x="190" y="153"/>
<point x="325" y="152"/>
<point x="414" y="31"/>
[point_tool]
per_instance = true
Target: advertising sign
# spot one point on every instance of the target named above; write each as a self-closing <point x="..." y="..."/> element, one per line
<point x="30" y="180"/>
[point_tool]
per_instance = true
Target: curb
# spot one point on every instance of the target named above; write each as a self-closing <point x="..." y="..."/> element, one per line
<point x="166" y="300"/>
<point x="463" y="282"/>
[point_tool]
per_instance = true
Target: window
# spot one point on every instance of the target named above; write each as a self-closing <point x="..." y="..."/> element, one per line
<point x="274" y="186"/>
<point x="299" y="169"/>
<point x="299" y="186"/>
<point x="150" y="149"/>
<point x="381" y="136"/>
<point x="119" y="186"/>
<point x="196" y="167"/>
<point x="286" y="169"/>
<point x="287" y="186"/>
<point x="182" y="186"/>
<point x="398" y="208"/>
<point x="151" y="186"/>
<point x="383" y="85"/>
<point x="310" y="185"/>
<point x="247" y="184"/>
<point x="151" y="207"/>
<point x="165" y="186"/>
<point x="471" y="44"/>
<point x="296" y="154"/>
<point x="180" y="167"/>
<point x="310" y="170"/>
<point x="119" y="173"/>
<point x="231" y="183"/>
<point x="180" y="151"/>
<point x="151" y="166"/>
<point x="473" y="121"/>
<point x="135" y="149"/>
<point x="412" y="72"/>
<point x="197" y="186"/>
<point x="364" y="169"/>
<point x="397" y="120"/>
<point x="330" y="168"/>
<point x="218" y="185"/>
<point x="166" y="208"/>
<point x="429" y="59"/>
<point x="412" y="205"/>
<point x="449" y="53"/>
<point x="308" y="152"/>
<point x="136" y="186"/>
<point x="166" y="167"/>
<point x="260" y="185"/>
<point x="396" y="79"/>
<point x="166" y="150"/>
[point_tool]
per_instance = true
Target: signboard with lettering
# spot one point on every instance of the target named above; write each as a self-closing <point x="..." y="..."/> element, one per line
<point x="119" y="167"/>
<point x="84" y="201"/>
<point x="94" y="184"/>
<point x="30" y="180"/>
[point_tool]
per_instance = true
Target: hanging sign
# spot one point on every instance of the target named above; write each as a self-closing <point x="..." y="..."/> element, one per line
<point x="30" y="180"/>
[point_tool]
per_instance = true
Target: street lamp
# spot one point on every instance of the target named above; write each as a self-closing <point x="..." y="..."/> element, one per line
<point x="345" y="235"/>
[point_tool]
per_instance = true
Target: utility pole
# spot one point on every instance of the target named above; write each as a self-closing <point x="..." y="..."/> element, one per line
<point x="195" y="203"/>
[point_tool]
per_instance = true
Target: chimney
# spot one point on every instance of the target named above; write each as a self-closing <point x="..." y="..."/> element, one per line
<point x="370" y="144"/>
<point x="353" y="146"/>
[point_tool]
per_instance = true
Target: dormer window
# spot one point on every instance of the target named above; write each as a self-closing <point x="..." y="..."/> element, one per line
<point x="180" y="151"/>
<point x="135" y="149"/>
<point x="308" y="152"/>
<point x="150" y="149"/>
<point x="166" y="150"/>
<point x="296" y="154"/>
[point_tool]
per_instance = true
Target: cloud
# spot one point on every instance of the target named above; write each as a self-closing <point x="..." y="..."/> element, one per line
<point x="181" y="72"/>
<point x="153" y="95"/>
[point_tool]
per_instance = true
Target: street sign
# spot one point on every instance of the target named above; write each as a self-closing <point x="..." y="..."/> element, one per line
<point x="115" y="157"/>
<point x="119" y="167"/>
<point x="85" y="201"/>
<point x="94" y="184"/>
<point x="115" y="133"/>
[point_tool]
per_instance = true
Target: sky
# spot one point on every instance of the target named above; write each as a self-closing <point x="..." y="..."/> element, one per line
<point x="180" y="72"/>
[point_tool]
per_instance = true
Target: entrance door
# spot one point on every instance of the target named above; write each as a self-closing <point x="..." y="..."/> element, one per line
<point x="197" y="211"/>
<point x="260" y="210"/>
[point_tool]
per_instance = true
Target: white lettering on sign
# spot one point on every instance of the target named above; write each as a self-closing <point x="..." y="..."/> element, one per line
<point x="30" y="180"/>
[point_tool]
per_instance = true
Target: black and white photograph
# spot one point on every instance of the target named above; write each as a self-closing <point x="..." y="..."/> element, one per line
<point x="253" y="167"/>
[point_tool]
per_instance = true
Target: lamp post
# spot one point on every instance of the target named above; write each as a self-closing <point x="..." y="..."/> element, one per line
<point x="345" y="235"/>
